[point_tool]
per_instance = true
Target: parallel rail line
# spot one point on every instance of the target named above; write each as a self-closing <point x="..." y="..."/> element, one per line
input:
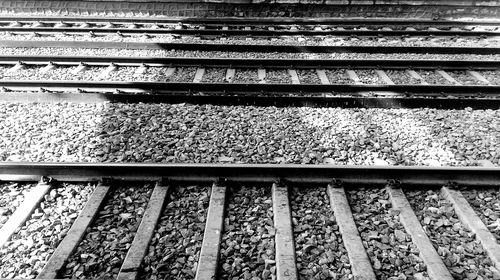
<point x="268" y="27"/>
<point x="335" y="180"/>
<point x="253" y="63"/>
<point x="221" y="21"/>
<point x="328" y="93"/>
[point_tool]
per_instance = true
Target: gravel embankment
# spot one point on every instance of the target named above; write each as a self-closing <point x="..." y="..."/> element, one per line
<point x="247" y="249"/>
<point x="106" y="242"/>
<point x="464" y="78"/>
<point x="308" y="77"/>
<point x="289" y="40"/>
<point x="108" y="132"/>
<point x="387" y="244"/>
<point x="175" y="247"/>
<point x="29" y="249"/>
<point x="486" y="203"/>
<point x="11" y="196"/>
<point x="275" y="55"/>
<point x="456" y="245"/>
<point x="319" y="248"/>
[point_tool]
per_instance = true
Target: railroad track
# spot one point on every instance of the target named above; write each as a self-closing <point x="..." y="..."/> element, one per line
<point x="437" y="83"/>
<point x="251" y="27"/>
<point x="223" y="221"/>
<point x="323" y="9"/>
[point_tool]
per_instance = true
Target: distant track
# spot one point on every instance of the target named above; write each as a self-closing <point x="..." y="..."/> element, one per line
<point x="326" y="93"/>
<point x="251" y="27"/>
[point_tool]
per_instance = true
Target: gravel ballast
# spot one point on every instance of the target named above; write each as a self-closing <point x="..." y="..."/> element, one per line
<point x="103" y="248"/>
<point x="216" y="54"/>
<point x="214" y="75"/>
<point x="246" y="76"/>
<point x="369" y="77"/>
<point x="11" y="196"/>
<point x="247" y="249"/>
<point x="29" y="249"/>
<point x="308" y="77"/>
<point x="433" y="78"/>
<point x="288" y="40"/>
<point x="175" y="247"/>
<point x="278" y="77"/>
<point x="486" y="203"/>
<point x="113" y="132"/>
<point x="462" y="254"/>
<point x="338" y="77"/>
<point x="387" y="244"/>
<point x="218" y="75"/>
<point x="320" y="252"/>
<point x="401" y="77"/>
<point x="492" y="76"/>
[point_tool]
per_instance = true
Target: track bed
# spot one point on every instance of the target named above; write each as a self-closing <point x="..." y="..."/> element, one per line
<point x="270" y="222"/>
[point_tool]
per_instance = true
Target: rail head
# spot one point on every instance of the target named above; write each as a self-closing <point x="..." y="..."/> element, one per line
<point x="416" y="176"/>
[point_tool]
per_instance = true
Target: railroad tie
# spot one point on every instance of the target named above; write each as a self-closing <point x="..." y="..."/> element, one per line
<point x="435" y="267"/>
<point x="80" y="68"/>
<point x="209" y="255"/>
<point x="322" y="77"/>
<point x="286" y="268"/>
<point x="48" y="68"/>
<point x="141" y="70"/>
<point x="138" y="250"/>
<point x="416" y="76"/>
<point x="198" y="76"/>
<point x="230" y="75"/>
<point x="24" y="211"/>
<point x="70" y="242"/>
<point x="294" y="76"/>
<point x="478" y="76"/>
<point x="261" y="73"/>
<point x="471" y="220"/>
<point x="360" y="263"/>
<point x="447" y="77"/>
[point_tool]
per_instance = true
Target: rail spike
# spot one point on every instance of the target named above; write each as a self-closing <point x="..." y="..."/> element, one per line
<point x="46" y="180"/>
<point x="452" y="185"/>
<point x="336" y="183"/>
<point x="106" y="181"/>
<point x="395" y="183"/>
<point x="221" y="181"/>
<point x="164" y="181"/>
<point x="280" y="182"/>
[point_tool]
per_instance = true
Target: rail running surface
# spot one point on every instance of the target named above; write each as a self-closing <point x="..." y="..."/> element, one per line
<point x="244" y="81"/>
<point x="283" y="183"/>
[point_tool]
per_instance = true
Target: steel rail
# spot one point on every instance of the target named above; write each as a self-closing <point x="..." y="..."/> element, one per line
<point x="293" y="173"/>
<point x="352" y="101"/>
<point x="254" y="62"/>
<point x="252" y="32"/>
<point x="247" y="48"/>
<point x="221" y="21"/>
<point x="252" y="89"/>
